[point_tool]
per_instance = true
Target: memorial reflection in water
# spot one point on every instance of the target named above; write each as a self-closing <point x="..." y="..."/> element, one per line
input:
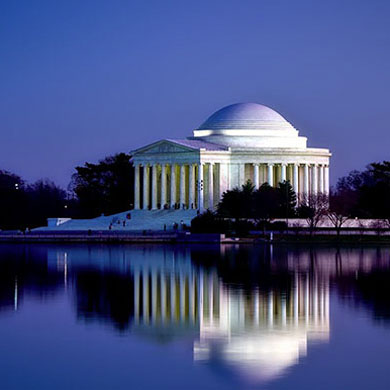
<point x="260" y="332"/>
<point x="253" y="311"/>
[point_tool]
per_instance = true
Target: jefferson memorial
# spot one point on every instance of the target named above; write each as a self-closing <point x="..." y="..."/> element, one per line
<point x="240" y="142"/>
<point x="177" y="178"/>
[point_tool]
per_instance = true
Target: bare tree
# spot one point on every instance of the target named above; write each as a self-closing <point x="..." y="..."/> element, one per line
<point x="378" y="225"/>
<point x="361" y="227"/>
<point x="386" y="222"/>
<point x="338" y="212"/>
<point x="313" y="207"/>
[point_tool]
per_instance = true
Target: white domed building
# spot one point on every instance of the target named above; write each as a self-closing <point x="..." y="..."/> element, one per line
<point x="240" y="142"/>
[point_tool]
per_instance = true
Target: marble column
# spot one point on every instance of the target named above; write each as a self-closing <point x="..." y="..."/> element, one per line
<point x="270" y="309"/>
<point x="314" y="179"/>
<point x="296" y="300"/>
<point x="173" y="186"/>
<point x="270" y="174"/>
<point x="154" y="187"/>
<point x="296" y="179"/>
<point x="145" y="296"/>
<point x="321" y="179"/>
<point x="326" y="180"/>
<point x="163" y="186"/>
<point x="306" y="180"/>
<point x="200" y="188"/>
<point x="136" y="295"/>
<point x="136" y="187"/>
<point x="182" y="299"/>
<point x="211" y="187"/>
<point x="163" y="297"/>
<point x="191" y="188"/>
<point x="256" y="175"/>
<point x="283" y="173"/>
<point x="146" y="188"/>
<point x="182" y="186"/>
<point x="241" y="174"/>
<point x="154" y="296"/>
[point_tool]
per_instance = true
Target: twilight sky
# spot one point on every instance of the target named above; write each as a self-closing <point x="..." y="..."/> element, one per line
<point x="80" y="80"/>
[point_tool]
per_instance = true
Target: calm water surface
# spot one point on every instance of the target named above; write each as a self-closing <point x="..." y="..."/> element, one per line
<point x="194" y="317"/>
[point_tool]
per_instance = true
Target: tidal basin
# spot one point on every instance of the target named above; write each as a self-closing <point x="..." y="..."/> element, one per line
<point x="194" y="317"/>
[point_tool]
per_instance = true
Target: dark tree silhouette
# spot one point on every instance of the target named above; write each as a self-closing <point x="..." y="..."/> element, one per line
<point x="287" y="200"/>
<point x="28" y="206"/>
<point x="209" y="222"/>
<point x="106" y="187"/>
<point x="367" y="193"/>
<point x="12" y="201"/>
<point x="313" y="207"/>
<point x="266" y="203"/>
<point x="340" y="209"/>
<point x="45" y="200"/>
<point x="237" y="203"/>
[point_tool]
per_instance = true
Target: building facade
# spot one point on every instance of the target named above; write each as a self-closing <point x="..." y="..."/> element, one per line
<point x="240" y="142"/>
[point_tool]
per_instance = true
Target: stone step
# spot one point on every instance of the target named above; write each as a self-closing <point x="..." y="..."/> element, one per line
<point x="140" y="220"/>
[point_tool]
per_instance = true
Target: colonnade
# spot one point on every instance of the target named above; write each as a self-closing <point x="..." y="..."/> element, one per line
<point x="200" y="298"/>
<point x="174" y="186"/>
<point x="200" y="185"/>
<point x="305" y="178"/>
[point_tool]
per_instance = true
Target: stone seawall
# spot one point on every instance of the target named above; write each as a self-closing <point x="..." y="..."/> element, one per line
<point x="111" y="237"/>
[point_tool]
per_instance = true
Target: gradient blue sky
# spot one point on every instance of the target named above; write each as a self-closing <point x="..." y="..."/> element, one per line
<point x="80" y="80"/>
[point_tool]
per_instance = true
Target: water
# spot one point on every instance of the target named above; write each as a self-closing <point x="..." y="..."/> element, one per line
<point x="194" y="317"/>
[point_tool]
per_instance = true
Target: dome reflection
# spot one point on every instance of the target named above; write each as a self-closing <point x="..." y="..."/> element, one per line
<point x="260" y="334"/>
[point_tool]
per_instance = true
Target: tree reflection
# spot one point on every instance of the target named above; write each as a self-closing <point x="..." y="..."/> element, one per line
<point x="24" y="271"/>
<point x="104" y="295"/>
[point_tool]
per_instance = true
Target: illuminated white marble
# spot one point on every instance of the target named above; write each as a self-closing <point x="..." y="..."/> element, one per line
<point x="245" y="141"/>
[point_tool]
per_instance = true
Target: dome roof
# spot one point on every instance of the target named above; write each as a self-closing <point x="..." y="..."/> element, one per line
<point x="246" y="116"/>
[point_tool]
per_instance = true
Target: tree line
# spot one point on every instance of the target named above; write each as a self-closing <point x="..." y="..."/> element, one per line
<point x="107" y="187"/>
<point x="95" y="189"/>
<point x="361" y="194"/>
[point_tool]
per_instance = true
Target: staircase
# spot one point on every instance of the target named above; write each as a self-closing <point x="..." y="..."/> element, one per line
<point x="140" y="220"/>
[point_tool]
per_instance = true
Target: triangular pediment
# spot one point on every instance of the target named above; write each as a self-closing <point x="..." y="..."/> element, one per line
<point x="163" y="146"/>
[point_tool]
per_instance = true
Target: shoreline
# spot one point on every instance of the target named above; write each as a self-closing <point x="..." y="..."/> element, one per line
<point x="186" y="237"/>
<point x="114" y="237"/>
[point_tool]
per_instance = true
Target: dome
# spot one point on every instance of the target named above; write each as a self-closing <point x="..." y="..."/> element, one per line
<point x="249" y="125"/>
<point x="244" y="116"/>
